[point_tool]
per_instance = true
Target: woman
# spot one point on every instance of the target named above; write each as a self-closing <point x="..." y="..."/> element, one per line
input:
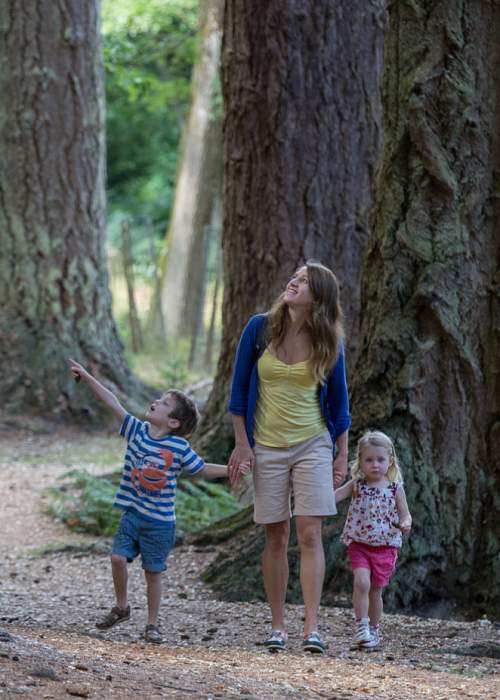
<point x="290" y="407"/>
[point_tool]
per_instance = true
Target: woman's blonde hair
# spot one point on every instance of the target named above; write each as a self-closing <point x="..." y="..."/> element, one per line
<point x="325" y="323"/>
<point x="376" y="438"/>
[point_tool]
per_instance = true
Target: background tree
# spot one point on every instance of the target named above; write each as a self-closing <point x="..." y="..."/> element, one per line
<point x="301" y="136"/>
<point x="198" y="187"/>
<point x="149" y="52"/>
<point x="428" y="367"/>
<point x="149" y="49"/>
<point x="53" y="279"/>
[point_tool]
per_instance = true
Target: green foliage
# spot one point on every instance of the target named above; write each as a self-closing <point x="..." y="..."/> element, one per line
<point x="174" y="372"/>
<point x="165" y="369"/>
<point x="201" y="503"/>
<point x="85" y="504"/>
<point x="149" y="51"/>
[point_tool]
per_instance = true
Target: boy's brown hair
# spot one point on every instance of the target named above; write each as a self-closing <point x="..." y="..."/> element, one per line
<point x="185" y="412"/>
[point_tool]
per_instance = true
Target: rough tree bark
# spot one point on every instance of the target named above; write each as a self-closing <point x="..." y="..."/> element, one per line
<point x="53" y="277"/>
<point x="429" y="370"/>
<point x="301" y="137"/>
<point x="428" y="367"/>
<point x="196" y="188"/>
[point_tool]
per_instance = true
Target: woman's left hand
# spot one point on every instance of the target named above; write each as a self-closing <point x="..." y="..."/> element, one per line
<point x="339" y="469"/>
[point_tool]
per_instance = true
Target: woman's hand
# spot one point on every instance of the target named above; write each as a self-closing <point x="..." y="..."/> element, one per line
<point x="339" y="469"/>
<point x="242" y="455"/>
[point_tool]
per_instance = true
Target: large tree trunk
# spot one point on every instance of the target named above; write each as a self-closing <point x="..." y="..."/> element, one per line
<point x="53" y="278"/>
<point x="429" y="365"/>
<point x="196" y="188"/>
<point x="301" y="136"/>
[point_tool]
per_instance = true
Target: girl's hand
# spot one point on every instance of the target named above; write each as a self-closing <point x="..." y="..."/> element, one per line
<point x="339" y="469"/>
<point x="403" y="511"/>
<point x="405" y="525"/>
<point x="241" y="456"/>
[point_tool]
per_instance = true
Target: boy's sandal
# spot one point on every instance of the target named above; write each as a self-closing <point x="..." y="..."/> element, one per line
<point x="314" y="643"/>
<point x="276" y="641"/>
<point x="152" y="634"/>
<point x="114" y="616"/>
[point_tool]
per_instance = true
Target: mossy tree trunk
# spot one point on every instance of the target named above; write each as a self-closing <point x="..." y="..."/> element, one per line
<point x="53" y="277"/>
<point x="301" y="137"/>
<point x="428" y="365"/>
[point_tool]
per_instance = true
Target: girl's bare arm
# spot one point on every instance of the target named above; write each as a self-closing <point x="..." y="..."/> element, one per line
<point x="403" y="511"/>
<point x="344" y="491"/>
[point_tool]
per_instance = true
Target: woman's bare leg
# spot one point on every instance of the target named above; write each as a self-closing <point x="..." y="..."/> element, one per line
<point x="312" y="567"/>
<point x="275" y="570"/>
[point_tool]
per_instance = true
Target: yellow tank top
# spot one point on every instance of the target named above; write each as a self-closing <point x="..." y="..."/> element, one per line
<point x="288" y="410"/>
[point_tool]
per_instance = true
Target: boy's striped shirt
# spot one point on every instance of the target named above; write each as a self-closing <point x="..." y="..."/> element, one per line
<point x="151" y="469"/>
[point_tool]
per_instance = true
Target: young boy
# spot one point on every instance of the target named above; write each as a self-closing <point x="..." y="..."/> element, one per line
<point x="157" y="452"/>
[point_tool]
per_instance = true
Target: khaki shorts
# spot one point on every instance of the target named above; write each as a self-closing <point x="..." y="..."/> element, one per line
<point x="305" y="469"/>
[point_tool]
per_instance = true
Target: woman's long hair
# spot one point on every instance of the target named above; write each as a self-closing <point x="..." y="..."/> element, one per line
<point x="376" y="438"/>
<point x="325" y="322"/>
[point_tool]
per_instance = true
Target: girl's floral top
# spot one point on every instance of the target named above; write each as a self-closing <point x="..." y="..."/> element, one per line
<point x="371" y="516"/>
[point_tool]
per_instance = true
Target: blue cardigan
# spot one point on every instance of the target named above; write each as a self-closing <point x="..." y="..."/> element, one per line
<point x="333" y="396"/>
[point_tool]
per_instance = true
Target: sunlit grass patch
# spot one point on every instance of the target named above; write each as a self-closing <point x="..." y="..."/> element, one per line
<point x="75" y="451"/>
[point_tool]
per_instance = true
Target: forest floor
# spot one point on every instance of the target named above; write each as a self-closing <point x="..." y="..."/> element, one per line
<point x="50" y="597"/>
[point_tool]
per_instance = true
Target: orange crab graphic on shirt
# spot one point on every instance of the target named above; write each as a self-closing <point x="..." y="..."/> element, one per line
<point x="152" y="476"/>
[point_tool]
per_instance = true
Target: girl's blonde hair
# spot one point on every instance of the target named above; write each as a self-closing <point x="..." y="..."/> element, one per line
<point x="325" y="323"/>
<point x="376" y="438"/>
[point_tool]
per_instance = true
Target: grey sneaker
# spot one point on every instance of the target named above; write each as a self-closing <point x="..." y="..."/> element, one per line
<point x="152" y="634"/>
<point x="362" y="635"/>
<point x="114" y="616"/>
<point x="314" y="643"/>
<point x="374" y="640"/>
<point x="277" y="640"/>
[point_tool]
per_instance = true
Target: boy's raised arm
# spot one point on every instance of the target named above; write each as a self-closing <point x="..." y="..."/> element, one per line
<point x="105" y="395"/>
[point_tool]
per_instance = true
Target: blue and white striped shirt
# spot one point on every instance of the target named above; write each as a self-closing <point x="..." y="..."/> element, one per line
<point x="151" y="468"/>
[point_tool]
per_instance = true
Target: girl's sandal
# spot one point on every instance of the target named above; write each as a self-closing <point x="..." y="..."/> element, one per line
<point x="152" y="634"/>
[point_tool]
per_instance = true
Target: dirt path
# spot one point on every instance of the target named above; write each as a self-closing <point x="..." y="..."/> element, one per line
<point x="48" y="605"/>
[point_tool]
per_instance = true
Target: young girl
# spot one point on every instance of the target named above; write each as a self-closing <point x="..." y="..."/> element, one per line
<point x="377" y="516"/>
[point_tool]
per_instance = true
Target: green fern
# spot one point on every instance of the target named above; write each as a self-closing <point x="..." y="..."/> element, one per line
<point x="85" y="504"/>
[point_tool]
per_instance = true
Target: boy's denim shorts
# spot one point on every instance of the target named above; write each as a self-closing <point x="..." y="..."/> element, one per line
<point x="153" y="541"/>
